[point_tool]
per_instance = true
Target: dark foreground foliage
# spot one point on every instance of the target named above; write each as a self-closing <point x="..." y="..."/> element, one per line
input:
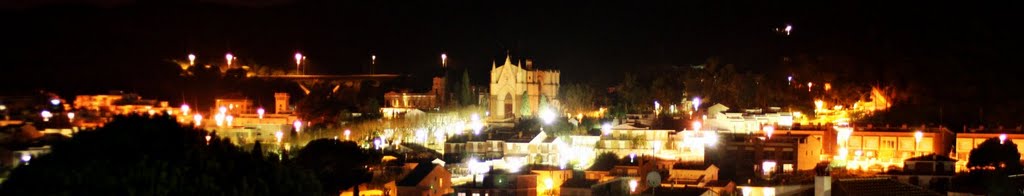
<point x="137" y="155"/>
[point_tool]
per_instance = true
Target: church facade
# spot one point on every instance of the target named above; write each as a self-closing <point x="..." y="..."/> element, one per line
<point x="519" y="90"/>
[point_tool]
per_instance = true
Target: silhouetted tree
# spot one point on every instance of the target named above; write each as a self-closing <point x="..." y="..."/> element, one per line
<point x="524" y="106"/>
<point x="991" y="153"/>
<point x="605" y="161"/>
<point x="577" y="98"/>
<point x="466" y="97"/>
<point x="339" y="165"/>
<point x="138" y="155"/>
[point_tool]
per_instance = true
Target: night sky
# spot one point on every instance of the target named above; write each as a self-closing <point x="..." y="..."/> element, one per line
<point x="93" y="46"/>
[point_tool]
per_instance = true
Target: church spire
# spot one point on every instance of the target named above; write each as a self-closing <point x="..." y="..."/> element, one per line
<point x="508" y="59"/>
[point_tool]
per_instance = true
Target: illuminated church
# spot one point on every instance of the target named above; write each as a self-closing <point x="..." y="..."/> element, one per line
<point x="512" y="83"/>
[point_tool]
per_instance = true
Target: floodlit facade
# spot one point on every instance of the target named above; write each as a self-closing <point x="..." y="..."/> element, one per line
<point x="510" y="81"/>
<point x="877" y="149"/>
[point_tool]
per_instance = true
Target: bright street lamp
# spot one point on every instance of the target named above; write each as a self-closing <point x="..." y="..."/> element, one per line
<point x="191" y="59"/>
<point x="298" y="61"/>
<point x="230" y="119"/>
<point x="229" y="57"/>
<point x="71" y="117"/>
<point x="55" y="101"/>
<point x="1002" y="138"/>
<point x="347" y="133"/>
<point x="198" y="119"/>
<point x="46" y="115"/>
<point x="279" y="135"/>
<point x="696" y="103"/>
<point x="917" y="140"/>
<point x="260" y="112"/>
<point x="547" y="116"/>
<point x="298" y="126"/>
<point x="185" y="109"/>
<point x="219" y="119"/>
<point x="632" y="185"/>
<point x="444" y="60"/>
<point x="606" y="128"/>
<point x="768" y="131"/>
<point x="26" y="157"/>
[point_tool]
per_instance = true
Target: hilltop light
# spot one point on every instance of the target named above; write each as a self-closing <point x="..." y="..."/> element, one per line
<point x="185" y="109"/>
<point x="198" y="119"/>
<point x="229" y="57"/>
<point x="444" y="60"/>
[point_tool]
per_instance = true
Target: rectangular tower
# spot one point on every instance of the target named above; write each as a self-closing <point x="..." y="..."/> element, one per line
<point x="281" y="103"/>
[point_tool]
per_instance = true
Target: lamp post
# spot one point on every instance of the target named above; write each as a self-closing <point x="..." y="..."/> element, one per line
<point x="547" y="116"/>
<point x="229" y="57"/>
<point x="298" y="62"/>
<point x="230" y="119"/>
<point x="26" y="158"/>
<point x="46" y="115"/>
<point x="444" y="60"/>
<point x="918" y="135"/>
<point x="1002" y="138"/>
<point x="198" y="119"/>
<point x="260" y="112"/>
<point x="191" y="59"/>
<point x="71" y="117"/>
<point x="606" y="128"/>
<point x="347" y="133"/>
<point x="373" y="63"/>
<point x="185" y="109"/>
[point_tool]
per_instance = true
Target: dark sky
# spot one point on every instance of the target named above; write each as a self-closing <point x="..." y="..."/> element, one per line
<point x="72" y="46"/>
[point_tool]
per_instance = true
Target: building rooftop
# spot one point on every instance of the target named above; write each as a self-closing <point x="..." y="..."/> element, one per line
<point x="675" y="191"/>
<point x="877" y="186"/>
<point x="579" y="183"/>
<point x="931" y="157"/>
<point x="417" y="174"/>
